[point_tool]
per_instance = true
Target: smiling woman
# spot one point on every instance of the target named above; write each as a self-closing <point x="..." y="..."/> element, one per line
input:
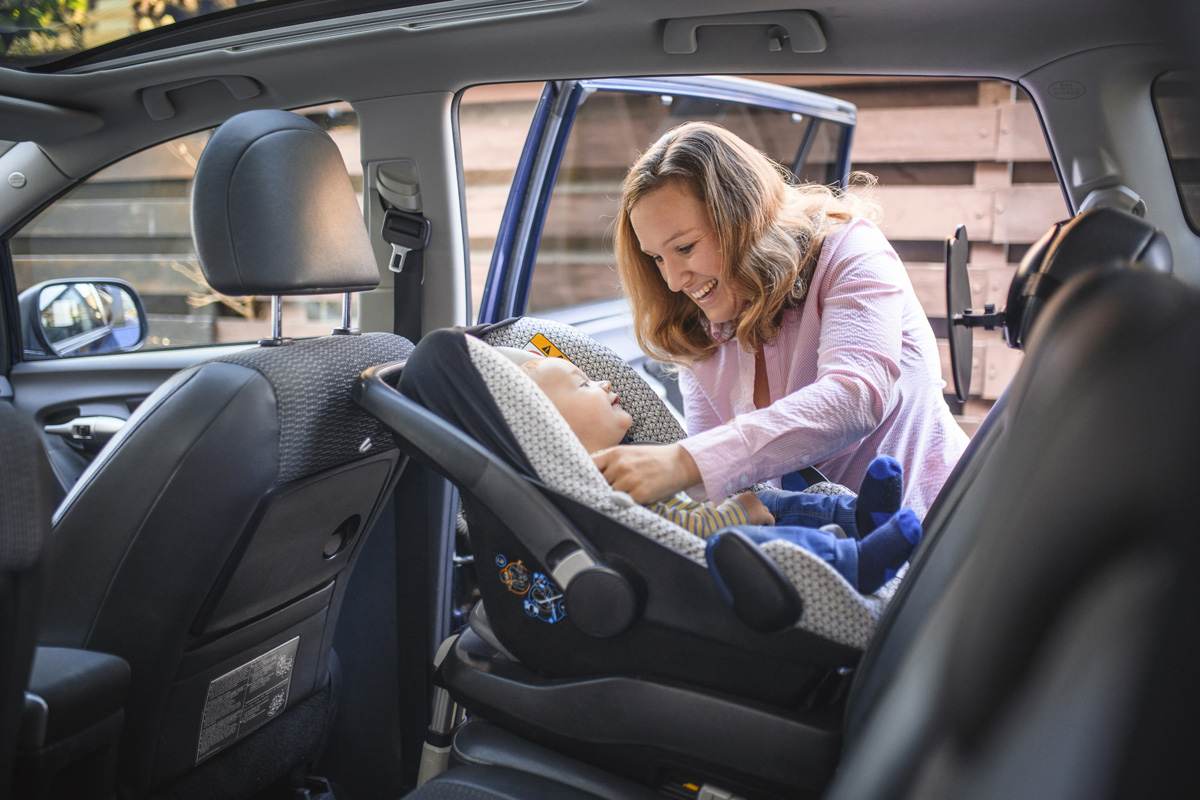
<point x="801" y="340"/>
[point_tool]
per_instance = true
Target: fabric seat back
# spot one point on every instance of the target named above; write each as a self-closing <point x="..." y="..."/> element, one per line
<point x="25" y="508"/>
<point x="210" y="543"/>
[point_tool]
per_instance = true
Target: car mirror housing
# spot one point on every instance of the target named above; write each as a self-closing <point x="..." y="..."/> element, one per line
<point x="92" y="316"/>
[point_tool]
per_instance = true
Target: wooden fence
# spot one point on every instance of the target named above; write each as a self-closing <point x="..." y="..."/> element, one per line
<point x="946" y="153"/>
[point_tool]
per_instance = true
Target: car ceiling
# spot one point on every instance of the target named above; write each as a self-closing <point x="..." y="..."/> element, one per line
<point x="979" y="38"/>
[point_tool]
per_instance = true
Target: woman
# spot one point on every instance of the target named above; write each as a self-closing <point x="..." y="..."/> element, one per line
<point x="800" y="338"/>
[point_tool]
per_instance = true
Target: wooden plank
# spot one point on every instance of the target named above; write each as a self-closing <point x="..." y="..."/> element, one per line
<point x="1024" y="213"/>
<point x="986" y="254"/>
<point x="492" y="137"/>
<point x="996" y="93"/>
<point x="150" y="275"/>
<point x="934" y="212"/>
<point x="992" y="175"/>
<point x="929" y="283"/>
<point x="485" y="208"/>
<point x="999" y="278"/>
<point x="586" y="214"/>
<point x="118" y="218"/>
<point x="952" y="133"/>
<point x="1001" y="364"/>
<point x="978" y="359"/>
<point x="502" y="93"/>
<point x="152" y="217"/>
<point x="910" y="212"/>
<point x="492" y="141"/>
<point x="1020" y="136"/>
<point x="349" y="143"/>
<point x="174" y="160"/>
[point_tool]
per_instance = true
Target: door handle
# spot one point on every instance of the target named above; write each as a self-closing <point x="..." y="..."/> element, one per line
<point x="799" y="30"/>
<point x="91" y="432"/>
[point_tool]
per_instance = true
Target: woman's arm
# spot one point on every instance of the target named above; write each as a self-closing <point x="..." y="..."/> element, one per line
<point x="648" y="472"/>
<point x="861" y="302"/>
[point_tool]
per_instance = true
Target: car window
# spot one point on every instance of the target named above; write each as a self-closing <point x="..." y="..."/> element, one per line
<point x="132" y="221"/>
<point x="1175" y="96"/>
<point x="946" y="152"/>
<point x="574" y="263"/>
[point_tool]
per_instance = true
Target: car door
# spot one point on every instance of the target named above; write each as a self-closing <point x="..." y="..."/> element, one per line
<point x="553" y="254"/>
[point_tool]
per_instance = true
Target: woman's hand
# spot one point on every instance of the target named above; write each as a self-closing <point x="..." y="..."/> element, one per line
<point x="648" y="472"/>
<point x="756" y="512"/>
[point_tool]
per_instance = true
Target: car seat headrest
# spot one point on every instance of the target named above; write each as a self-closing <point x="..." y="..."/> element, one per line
<point x="274" y="213"/>
<point x="1103" y="238"/>
<point x="517" y="356"/>
<point x="652" y="421"/>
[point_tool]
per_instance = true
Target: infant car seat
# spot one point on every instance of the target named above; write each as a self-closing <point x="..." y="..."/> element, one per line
<point x="577" y="581"/>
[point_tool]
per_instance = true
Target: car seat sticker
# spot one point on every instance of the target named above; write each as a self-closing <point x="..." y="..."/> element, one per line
<point x="542" y="598"/>
<point x="244" y="699"/>
<point x="543" y="346"/>
<point x="516" y="577"/>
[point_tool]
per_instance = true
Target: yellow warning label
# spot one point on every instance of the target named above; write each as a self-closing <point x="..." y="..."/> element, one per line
<point x="540" y="344"/>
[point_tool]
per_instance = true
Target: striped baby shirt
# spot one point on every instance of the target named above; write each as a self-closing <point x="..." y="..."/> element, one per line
<point x="702" y="519"/>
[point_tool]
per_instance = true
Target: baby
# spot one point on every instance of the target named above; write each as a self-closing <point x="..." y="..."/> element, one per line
<point x="877" y="536"/>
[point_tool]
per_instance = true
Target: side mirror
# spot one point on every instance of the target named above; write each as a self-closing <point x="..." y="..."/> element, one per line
<point x="64" y="318"/>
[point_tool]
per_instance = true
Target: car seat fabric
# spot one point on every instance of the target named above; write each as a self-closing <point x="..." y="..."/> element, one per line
<point x="310" y="380"/>
<point x="25" y="507"/>
<point x="521" y="423"/>
<point x="652" y="422"/>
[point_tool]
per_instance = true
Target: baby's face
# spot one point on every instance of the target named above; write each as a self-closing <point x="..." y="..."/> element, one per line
<point x="591" y="408"/>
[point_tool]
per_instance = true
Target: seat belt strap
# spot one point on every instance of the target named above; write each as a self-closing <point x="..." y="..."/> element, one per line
<point x="408" y="234"/>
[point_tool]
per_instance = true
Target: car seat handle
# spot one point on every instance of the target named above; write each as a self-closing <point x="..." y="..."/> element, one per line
<point x="603" y="602"/>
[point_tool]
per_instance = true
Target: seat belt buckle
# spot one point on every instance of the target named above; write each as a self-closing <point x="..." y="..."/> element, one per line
<point x="406" y="232"/>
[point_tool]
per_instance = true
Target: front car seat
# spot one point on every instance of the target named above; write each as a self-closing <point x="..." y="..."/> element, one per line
<point x="25" y="508"/>
<point x="210" y="543"/>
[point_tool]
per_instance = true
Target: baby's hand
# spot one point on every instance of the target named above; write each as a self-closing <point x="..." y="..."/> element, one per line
<point x="756" y="512"/>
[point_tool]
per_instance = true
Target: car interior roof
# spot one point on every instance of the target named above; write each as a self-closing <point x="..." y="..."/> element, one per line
<point x="378" y="56"/>
<point x="594" y="38"/>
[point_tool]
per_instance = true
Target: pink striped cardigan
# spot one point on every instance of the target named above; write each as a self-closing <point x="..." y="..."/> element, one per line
<point x="854" y="373"/>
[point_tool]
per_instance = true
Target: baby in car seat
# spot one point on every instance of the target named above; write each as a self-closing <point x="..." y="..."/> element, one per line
<point x="866" y="539"/>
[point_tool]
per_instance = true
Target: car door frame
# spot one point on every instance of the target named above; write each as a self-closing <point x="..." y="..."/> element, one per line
<point x="506" y="290"/>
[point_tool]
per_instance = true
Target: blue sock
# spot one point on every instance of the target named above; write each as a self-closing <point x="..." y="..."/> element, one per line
<point x="884" y="551"/>
<point x="879" y="496"/>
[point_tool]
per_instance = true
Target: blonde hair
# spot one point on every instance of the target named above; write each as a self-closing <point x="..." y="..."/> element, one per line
<point x="770" y="231"/>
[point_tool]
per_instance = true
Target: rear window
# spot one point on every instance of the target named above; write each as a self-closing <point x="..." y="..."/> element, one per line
<point x="1175" y="101"/>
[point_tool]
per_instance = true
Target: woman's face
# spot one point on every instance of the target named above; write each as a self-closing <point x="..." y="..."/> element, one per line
<point x="674" y="228"/>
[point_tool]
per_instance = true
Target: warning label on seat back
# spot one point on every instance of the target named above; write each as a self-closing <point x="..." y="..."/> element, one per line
<point x="244" y="699"/>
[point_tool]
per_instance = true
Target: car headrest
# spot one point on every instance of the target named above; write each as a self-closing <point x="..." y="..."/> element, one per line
<point x="273" y="211"/>
<point x="1103" y="238"/>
